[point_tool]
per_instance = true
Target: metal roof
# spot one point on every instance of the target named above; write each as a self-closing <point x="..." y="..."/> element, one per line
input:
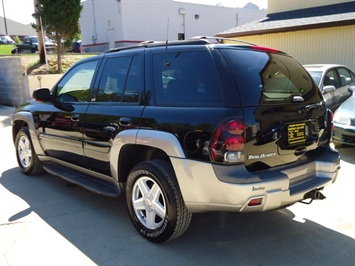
<point x="309" y="18"/>
<point x="15" y="28"/>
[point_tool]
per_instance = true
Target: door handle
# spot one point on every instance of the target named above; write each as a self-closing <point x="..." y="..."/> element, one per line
<point x="125" y="121"/>
<point x="110" y="128"/>
<point x="75" y="118"/>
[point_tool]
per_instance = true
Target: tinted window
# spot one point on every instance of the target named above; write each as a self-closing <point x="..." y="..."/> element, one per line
<point x="120" y="81"/>
<point x="187" y="78"/>
<point x="75" y="86"/>
<point x="346" y="77"/>
<point x="316" y="75"/>
<point x="331" y="79"/>
<point x="264" y="78"/>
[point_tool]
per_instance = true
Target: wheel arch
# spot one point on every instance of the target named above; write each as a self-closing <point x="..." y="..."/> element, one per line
<point x="131" y="147"/>
<point x="25" y="119"/>
<point x="131" y="155"/>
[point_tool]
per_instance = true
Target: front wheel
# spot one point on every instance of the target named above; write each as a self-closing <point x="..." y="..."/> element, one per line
<point x="155" y="203"/>
<point x="26" y="157"/>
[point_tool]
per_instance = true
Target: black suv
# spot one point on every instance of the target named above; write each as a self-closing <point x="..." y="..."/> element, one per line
<point x="183" y="127"/>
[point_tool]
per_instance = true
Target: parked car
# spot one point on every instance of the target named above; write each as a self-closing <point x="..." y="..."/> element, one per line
<point x="76" y="47"/>
<point x="183" y="127"/>
<point x="30" y="44"/>
<point x="6" y="40"/>
<point x="333" y="81"/>
<point x="344" y="121"/>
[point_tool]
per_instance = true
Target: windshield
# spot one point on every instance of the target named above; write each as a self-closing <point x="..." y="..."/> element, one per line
<point x="316" y="75"/>
<point x="35" y="39"/>
<point x="268" y="78"/>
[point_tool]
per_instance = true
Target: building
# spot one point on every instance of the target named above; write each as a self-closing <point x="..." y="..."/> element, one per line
<point x="320" y="31"/>
<point x="113" y="23"/>
<point x="15" y="28"/>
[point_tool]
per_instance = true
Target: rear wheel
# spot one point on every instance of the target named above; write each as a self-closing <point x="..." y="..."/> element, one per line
<point x="27" y="159"/>
<point x="155" y="203"/>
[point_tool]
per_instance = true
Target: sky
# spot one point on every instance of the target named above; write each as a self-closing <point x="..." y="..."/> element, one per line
<point x="22" y="10"/>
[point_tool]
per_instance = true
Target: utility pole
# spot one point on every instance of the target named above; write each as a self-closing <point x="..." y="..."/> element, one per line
<point x="3" y="8"/>
<point x="42" y="54"/>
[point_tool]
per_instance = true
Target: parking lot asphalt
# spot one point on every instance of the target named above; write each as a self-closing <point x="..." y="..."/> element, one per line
<point x="45" y="220"/>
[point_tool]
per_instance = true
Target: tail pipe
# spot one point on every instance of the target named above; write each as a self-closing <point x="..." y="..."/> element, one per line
<point x="313" y="195"/>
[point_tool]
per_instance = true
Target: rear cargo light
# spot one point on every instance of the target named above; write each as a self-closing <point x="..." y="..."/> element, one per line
<point x="228" y="142"/>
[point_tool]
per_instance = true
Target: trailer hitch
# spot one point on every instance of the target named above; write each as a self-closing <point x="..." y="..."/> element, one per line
<point x="313" y="195"/>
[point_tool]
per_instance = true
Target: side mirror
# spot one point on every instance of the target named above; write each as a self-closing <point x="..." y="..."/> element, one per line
<point x="329" y="88"/>
<point x="351" y="89"/>
<point x="42" y="95"/>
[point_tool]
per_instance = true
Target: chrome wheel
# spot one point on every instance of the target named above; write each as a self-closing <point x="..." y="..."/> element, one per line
<point x="24" y="151"/>
<point x="155" y="203"/>
<point x="148" y="202"/>
<point x="26" y="157"/>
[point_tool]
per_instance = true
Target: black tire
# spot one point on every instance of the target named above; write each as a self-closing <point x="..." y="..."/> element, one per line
<point x="158" y="213"/>
<point x="27" y="159"/>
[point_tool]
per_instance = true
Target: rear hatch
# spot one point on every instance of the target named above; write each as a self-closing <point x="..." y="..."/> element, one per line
<point x="283" y="109"/>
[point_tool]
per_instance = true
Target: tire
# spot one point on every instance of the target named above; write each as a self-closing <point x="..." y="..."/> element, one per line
<point x="155" y="203"/>
<point x="27" y="159"/>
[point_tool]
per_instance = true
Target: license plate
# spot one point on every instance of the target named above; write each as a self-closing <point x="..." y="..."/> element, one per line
<point x="296" y="133"/>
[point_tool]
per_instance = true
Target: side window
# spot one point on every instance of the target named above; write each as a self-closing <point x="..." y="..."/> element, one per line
<point x="345" y="76"/>
<point x="331" y="78"/>
<point x="75" y="86"/>
<point x="186" y="79"/>
<point x="120" y="81"/>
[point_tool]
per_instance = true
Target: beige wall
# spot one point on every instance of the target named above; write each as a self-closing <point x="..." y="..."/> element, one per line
<point x="328" y="45"/>
<point x="46" y="81"/>
<point x="276" y="6"/>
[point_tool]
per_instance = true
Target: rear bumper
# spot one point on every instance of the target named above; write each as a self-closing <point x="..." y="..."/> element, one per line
<point x="203" y="189"/>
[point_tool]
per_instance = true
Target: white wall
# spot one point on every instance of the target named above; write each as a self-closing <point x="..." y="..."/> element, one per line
<point x="99" y="20"/>
<point x="121" y="22"/>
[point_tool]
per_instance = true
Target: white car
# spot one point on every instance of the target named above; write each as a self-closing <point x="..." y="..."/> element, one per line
<point x="333" y="81"/>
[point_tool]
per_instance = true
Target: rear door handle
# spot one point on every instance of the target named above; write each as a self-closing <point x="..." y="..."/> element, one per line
<point x="75" y="118"/>
<point x="125" y="121"/>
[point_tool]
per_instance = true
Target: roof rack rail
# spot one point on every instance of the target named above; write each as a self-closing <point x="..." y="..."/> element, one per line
<point x="220" y="39"/>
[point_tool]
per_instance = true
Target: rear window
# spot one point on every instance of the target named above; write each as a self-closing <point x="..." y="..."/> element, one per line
<point x="264" y="78"/>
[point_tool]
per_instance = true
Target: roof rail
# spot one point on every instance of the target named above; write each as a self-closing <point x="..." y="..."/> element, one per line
<point x="220" y="39"/>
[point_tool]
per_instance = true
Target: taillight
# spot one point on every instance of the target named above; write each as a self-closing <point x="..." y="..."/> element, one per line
<point x="228" y="142"/>
<point x="329" y="120"/>
<point x="331" y="117"/>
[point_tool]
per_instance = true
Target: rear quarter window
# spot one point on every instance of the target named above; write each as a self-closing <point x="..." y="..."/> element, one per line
<point x="186" y="78"/>
<point x="267" y="78"/>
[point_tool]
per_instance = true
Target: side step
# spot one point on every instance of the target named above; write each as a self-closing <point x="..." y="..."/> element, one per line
<point x="90" y="183"/>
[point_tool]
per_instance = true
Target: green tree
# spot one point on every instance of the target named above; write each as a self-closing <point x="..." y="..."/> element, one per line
<point x="60" y="20"/>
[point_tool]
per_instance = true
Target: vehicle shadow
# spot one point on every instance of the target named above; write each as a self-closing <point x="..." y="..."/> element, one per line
<point x="347" y="153"/>
<point x="101" y="229"/>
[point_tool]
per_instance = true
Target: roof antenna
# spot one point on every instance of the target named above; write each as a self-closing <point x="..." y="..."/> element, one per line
<point x="167" y="64"/>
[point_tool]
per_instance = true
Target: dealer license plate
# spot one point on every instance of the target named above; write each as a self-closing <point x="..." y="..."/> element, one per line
<point x="296" y="133"/>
